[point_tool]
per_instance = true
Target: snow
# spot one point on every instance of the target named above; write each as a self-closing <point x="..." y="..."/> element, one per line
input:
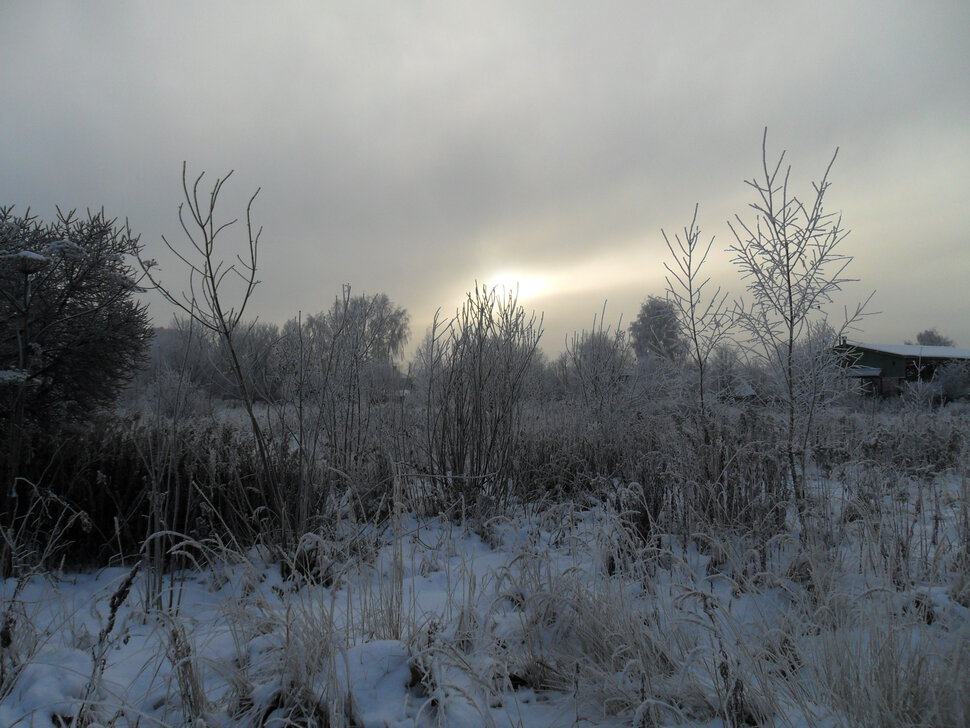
<point x="428" y="622"/>
<point x="376" y="676"/>
<point x="120" y="279"/>
<point x="65" y="248"/>
<point x="31" y="256"/>
<point x="49" y="685"/>
<point x="27" y="260"/>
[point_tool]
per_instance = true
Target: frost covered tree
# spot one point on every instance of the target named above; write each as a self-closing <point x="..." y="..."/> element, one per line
<point x="337" y="369"/>
<point x="657" y="330"/>
<point x="596" y="367"/>
<point x="701" y="311"/>
<point x="71" y="331"/>
<point x="378" y="327"/>
<point x="932" y="337"/>
<point x="358" y="341"/>
<point x="790" y="258"/>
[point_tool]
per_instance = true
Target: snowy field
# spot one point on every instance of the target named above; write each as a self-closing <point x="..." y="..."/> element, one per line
<point x="556" y="616"/>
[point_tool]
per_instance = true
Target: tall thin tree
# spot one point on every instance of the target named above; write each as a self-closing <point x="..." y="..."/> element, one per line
<point x="791" y="260"/>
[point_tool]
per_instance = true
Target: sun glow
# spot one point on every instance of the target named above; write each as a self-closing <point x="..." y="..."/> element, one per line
<point x="527" y="286"/>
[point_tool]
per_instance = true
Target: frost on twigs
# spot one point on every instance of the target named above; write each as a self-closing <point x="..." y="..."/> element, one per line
<point x="25" y="261"/>
<point x="67" y="249"/>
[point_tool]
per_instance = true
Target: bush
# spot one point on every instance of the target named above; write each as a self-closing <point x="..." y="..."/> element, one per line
<point x="954" y="380"/>
<point x="474" y="372"/>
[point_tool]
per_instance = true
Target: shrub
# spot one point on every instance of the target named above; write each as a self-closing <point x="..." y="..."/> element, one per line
<point x="474" y="370"/>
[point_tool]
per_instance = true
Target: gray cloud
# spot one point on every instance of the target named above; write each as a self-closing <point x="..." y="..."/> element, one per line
<point x="413" y="148"/>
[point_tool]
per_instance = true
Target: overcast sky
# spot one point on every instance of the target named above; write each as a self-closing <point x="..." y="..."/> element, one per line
<point x="413" y="148"/>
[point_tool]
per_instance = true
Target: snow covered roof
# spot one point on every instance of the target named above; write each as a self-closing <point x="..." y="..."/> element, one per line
<point x="916" y="351"/>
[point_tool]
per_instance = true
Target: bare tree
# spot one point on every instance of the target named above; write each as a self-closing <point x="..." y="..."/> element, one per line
<point x="703" y="317"/>
<point x="208" y="303"/>
<point x="789" y="257"/>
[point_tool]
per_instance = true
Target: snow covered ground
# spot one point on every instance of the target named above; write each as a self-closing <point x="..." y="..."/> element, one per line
<point x="557" y="617"/>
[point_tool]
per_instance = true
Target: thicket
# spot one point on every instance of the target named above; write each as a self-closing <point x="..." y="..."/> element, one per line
<point x="260" y="434"/>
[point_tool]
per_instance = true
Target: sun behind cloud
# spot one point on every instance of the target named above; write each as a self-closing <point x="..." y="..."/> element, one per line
<point x="528" y="286"/>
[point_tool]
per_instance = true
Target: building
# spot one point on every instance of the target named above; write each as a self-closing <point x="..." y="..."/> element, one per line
<point x="884" y="368"/>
